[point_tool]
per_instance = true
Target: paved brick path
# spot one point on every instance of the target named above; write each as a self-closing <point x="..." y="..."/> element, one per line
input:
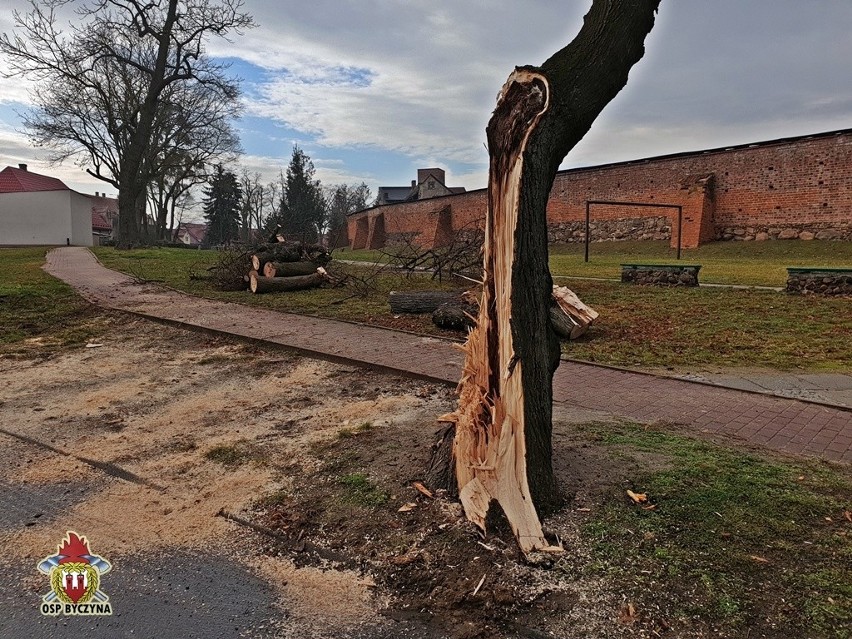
<point x="778" y="423"/>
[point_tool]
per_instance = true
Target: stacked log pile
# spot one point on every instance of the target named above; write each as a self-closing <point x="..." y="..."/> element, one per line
<point x="457" y="310"/>
<point x="287" y="266"/>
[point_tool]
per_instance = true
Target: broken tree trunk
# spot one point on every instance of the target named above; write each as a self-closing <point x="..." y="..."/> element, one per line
<point x="502" y="445"/>
<point x="288" y="269"/>
<point x="259" y="284"/>
<point x="417" y="302"/>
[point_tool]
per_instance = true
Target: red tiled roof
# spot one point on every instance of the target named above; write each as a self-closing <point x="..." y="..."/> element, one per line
<point x="14" y="180"/>
<point x="195" y="231"/>
<point x="100" y="222"/>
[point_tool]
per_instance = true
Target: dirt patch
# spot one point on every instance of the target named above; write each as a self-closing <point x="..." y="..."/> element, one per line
<point x="154" y="403"/>
<point x="434" y="566"/>
<point x="320" y="453"/>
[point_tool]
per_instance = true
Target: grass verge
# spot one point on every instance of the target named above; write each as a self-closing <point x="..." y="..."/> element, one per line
<point x="737" y="544"/>
<point x="746" y="263"/>
<point x="38" y="310"/>
<point x="174" y="267"/>
<point x="735" y="540"/>
<point x="678" y="328"/>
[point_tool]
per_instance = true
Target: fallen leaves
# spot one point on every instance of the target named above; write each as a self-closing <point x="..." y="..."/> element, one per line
<point x="638" y="498"/>
<point x="627" y="615"/>
<point x="758" y="559"/>
<point x="641" y="499"/>
<point x="420" y="488"/>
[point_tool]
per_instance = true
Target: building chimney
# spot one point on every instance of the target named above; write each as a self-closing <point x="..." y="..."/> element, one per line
<point x="23" y="167"/>
<point x="413" y="183"/>
<point x="97" y="194"/>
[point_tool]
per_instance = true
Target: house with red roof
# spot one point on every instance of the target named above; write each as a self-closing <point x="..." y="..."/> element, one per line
<point x="191" y="233"/>
<point x="41" y="210"/>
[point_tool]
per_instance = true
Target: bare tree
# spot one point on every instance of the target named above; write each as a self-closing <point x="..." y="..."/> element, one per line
<point x="340" y="201"/>
<point x="502" y="442"/>
<point x="91" y="106"/>
<point x="192" y="133"/>
<point x="255" y="203"/>
<point x="178" y="208"/>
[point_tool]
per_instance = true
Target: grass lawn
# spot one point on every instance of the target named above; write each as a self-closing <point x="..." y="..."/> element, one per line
<point x="37" y="309"/>
<point x="361" y="255"/>
<point x="740" y="541"/>
<point x="174" y="267"/>
<point x="645" y="326"/>
<point x="748" y="263"/>
<point x="685" y="327"/>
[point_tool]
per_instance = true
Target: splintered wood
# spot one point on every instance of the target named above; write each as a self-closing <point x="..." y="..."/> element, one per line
<point x="569" y="317"/>
<point x="489" y="446"/>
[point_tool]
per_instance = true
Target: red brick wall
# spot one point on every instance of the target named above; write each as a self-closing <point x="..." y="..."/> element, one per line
<point x="758" y="191"/>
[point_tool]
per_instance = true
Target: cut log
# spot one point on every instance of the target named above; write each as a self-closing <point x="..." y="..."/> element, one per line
<point x="290" y="252"/>
<point x="247" y="277"/>
<point x="569" y="317"/>
<point x="288" y="269"/>
<point x="455" y="316"/>
<point x="417" y="302"/>
<point x="287" y="253"/>
<point x="260" y="284"/>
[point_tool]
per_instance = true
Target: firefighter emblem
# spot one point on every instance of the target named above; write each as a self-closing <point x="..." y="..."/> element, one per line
<point x="75" y="579"/>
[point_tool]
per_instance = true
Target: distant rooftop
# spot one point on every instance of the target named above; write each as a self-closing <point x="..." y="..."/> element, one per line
<point x="19" y="180"/>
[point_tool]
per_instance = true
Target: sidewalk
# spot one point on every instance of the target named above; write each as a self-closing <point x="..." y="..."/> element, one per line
<point x="782" y="424"/>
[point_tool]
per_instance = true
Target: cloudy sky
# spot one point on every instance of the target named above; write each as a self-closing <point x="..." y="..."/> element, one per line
<point x="374" y="89"/>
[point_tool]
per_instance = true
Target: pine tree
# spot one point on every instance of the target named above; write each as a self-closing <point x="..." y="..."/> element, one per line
<point x="302" y="212"/>
<point x="222" y="201"/>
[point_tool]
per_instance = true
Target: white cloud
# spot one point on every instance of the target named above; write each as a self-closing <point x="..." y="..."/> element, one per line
<point x="15" y="149"/>
<point x="420" y="79"/>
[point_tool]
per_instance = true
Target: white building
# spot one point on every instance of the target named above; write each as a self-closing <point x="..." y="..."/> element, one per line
<point x="40" y="210"/>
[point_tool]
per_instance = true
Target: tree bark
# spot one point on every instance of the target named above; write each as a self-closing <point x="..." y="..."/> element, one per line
<point x="417" y="302"/>
<point x="502" y="444"/>
<point x="290" y="252"/>
<point x="455" y="316"/>
<point x="259" y="284"/>
<point x="284" y="253"/>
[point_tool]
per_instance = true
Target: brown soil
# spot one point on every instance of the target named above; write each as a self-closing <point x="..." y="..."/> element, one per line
<point x="320" y="455"/>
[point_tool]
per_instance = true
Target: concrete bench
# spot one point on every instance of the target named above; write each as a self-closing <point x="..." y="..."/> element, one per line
<point x="819" y="280"/>
<point x="661" y="274"/>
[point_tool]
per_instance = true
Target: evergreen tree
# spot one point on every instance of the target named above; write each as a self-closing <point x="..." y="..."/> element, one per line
<point x="302" y="212"/>
<point x="222" y="202"/>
